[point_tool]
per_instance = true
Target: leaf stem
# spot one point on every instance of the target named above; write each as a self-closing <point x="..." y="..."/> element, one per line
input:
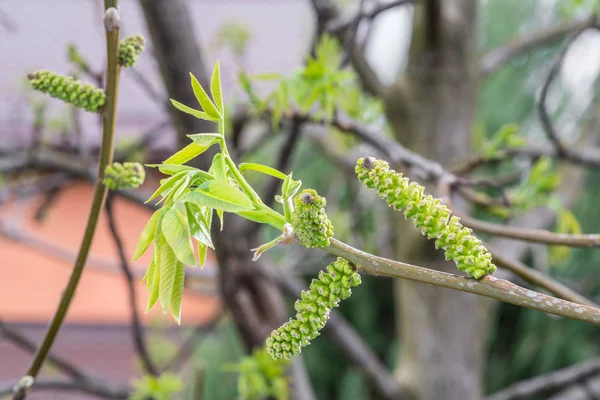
<point x="106" y="154"/>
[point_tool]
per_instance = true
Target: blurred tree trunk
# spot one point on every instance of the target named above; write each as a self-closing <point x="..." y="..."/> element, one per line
<point x="256" y="303"/>
<point x="430" y="109"/>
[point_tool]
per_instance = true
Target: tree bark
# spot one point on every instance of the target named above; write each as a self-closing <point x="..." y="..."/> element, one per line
<point x="430" y="109"/>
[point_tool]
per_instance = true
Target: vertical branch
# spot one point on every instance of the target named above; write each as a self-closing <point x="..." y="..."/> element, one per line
<point x="113" y="69"/>
<point x="136" y="327"/>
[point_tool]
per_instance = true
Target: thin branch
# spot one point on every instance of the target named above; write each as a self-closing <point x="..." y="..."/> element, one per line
<point x="350" y="41"/>
<point x="21" y="341"/>
<point x="100" y="390"/>
<point x="137" y="329"/>
<point x="497" y="58"/>
<point x="538" y="279"/>
<point x="530" y="235"/>
<point x="339" y="25"/>
<point x="561" y="148"/>
<point x="488" y="286"/>
<point x="109" y="119"/>
<point x="549" y="384"/>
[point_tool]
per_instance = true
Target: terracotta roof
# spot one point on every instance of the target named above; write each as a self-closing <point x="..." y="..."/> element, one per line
<point x="35" y="271"/>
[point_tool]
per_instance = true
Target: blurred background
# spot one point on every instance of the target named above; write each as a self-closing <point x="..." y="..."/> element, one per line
<point x="378" y="348"/>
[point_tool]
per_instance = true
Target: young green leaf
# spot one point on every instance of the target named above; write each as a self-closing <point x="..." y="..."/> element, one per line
<point x="189" y="152"/>
<point x="177" y="234"/>
<point x="149" y="275"/>
<point x="202" y="250"/>
<point x="215" y="88"/>
<point x="274" y="219"/>
<point x="205" y="102"/>
<point x="199" y="227"/>
<point x="196" y="113"/>
<point x="177" y="293"/>
<point x="205" y="139"/>
<point x="220" y="195"/>
<point x="218" y="168"/>
<point x="154" y="287"/>
<point x="147" y="236"/>
<point x="171" y="169"/>
<point x="168" y="264"/>
<point x="166" y="185"/>
<point x="262" y="168"/>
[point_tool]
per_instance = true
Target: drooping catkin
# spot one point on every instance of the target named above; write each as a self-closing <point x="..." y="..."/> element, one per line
<point x="312" y="310"/>
<point x="69" y="90"/>
<point x="429" y="214"/>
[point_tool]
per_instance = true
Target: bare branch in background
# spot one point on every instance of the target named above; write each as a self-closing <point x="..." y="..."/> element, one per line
<point x="549" y="384"/>
<point x="497" y="58"/>
<point x="341" y="24"/>
<point x="137" y="329"/>
<point x="7" y="22"/>
<point x="100" y="390"/>
<point x="553" y="135"/>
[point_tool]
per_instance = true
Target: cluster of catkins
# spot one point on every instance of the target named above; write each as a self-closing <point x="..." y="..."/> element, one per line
<point x="313" y="310"/>
<point x="69" y="90"/>
<point x="429" y="214"/>
<point x="129" y="175"/>
<point x="309" y="220"/>
<point x="130" y="49"/>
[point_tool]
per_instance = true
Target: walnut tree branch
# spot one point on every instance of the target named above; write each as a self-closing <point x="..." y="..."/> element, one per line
<point x="497" y="58"/>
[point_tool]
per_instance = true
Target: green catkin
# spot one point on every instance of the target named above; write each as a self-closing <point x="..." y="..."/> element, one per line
<point x="69" y="90"/>
<point x="130" y="49"/>
<point x="429" y="214"/>
<point x="312" y="310"/>
<point x="129" y="175"/>
<point x="309" y="220"/>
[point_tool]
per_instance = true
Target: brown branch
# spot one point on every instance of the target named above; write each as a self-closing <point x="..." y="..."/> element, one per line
<point x="341" y="24"/>
<point x="549" y="384"/>
<point x="96" y="389"/>
<point x="137" y="328"/>
<point x="561" y="148"/>
<point x="531" y="235"/>
<point x="495" y="59"/>
<point x="538" y="279"/>
<point x="488" y="286"/>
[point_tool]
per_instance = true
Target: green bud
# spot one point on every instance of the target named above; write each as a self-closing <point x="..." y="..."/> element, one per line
<point x="429" y="214"/>
<point x="130" y="49"/>
<point x="312" y="310"/>
<point x="69" y="90"/>
<point x="119" y="176"/>
<point x="309" y="220"/>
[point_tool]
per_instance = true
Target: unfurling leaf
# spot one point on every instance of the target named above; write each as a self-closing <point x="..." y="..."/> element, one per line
<point x="202" y="142"/>
<point x="196" y="113"/>
<point x="147" y="235"/>
<point x="220" y="195"/>
<point x="215" y="88"/>
<point x="199" y="226"/>
<point x="262" y="168"/>
<point x="177" y="294"/>
<point x="205" y="102"/>
<point x="176" y="232"/>
<point x="168" y="263"/>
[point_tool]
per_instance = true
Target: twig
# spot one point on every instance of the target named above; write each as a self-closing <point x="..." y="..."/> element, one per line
<point x="539" y="279"/>
<point x="530" y="235"/>
<point x="488" y="286"/>
<point x="495" y="59"/>
<point x="561" y="149"/>
<point x="100" y="390"/>
<point x="549" y="384"/>
<point x="137" y="329"/>
<point x="341" y="24"/>
<point x="106" y="154"/>
<point x="351" y="37"/>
